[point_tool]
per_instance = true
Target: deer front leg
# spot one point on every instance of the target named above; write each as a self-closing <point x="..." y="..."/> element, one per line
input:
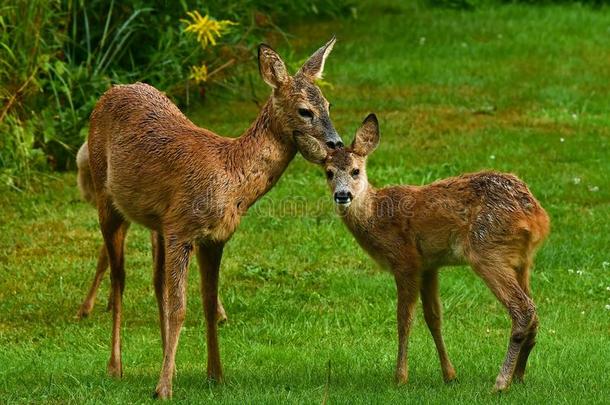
<point x="407" y="286"/>
<point x="209" y="257"/>
<point x="177" y="256"/>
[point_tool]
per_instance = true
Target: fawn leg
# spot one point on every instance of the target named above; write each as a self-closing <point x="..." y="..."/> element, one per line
<point x="177" y="257"/>
<point x="501" y="280"/>
<point x="528" y="345"/>
<point x="209" y="257"/>
<point x="433" y="314"/>
<point x="102" y="265"/>
<point x="114" y="228"/>
<point x="523" y="279"/>
<point x="407" y="287"/>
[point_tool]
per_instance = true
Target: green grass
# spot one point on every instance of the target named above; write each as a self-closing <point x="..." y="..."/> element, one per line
<point x="515" y="88"/>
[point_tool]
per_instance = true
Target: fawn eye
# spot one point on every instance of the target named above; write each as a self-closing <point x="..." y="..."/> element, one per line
<point x="305" y="113"/>
<point x="355" y="173"/>
<point x="329" y="174"/>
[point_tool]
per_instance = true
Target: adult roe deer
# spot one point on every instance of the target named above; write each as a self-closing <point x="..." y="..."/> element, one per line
<point x="151" y="165"/>
<point x="87" y="191"/>
<point x="488" y="220"/>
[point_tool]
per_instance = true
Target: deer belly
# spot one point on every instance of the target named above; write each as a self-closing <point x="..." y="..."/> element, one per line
<point x="139" y="198"/>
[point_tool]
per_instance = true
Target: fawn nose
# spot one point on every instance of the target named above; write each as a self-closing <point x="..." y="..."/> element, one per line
<point x="343" y="197"/>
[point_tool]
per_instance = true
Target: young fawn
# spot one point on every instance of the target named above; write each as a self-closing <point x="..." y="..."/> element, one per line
<point x="488" y="220"/>
<point x="151" y="165"/>
<point x="85" y="186"/>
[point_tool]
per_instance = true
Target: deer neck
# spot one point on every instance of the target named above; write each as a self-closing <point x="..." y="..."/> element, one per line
<point x="362" y="210"/>
<point x="259" y="157"/>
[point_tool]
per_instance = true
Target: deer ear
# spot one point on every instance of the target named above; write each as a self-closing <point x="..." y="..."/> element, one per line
<point x="367" y="136"/>
<point x="311" y="148"/>
<point x="272" y="67"/>
<point x="313" y="68"/>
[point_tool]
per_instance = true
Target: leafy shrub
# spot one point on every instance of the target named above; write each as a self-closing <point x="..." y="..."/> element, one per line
<point x="57" y="57"/>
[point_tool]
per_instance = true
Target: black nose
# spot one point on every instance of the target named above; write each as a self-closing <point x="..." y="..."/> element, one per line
<point x="343" y="197"/>
<point x="334" y="145"/>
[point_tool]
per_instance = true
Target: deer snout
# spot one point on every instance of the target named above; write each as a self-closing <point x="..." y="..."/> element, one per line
<point x="334" y="141"/>
<point x="343" y="197"/>
<point x="334" y="144"/>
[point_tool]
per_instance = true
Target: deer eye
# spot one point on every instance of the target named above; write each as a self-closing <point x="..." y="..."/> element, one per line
<point x="329" y="174"/>
<point x="355" y="173"/>
<point x="305" y="113"/>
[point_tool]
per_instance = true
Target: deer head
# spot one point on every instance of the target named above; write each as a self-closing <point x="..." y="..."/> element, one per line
<point x="298" y="106"/>
<point x="345" y="167"/>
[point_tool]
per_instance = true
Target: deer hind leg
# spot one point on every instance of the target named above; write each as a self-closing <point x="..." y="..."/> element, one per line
<point x="433" y="316"/>
<point x="114" y="229"/>
<point x="221" y="314"/>
<point x="523" y="276"/>
<point x="177" y="257"/>
<point x="209" y="257"/>
<point x="102" y="265"/>
<point x="407" y="286"/>
<point x="158" y="253"/>
<point x="502" y="280"/>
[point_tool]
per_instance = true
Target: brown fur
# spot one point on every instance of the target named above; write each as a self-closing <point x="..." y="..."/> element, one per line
<point x="87" y="191"/>
<point x="488" y="220"/>
<point x="151" y="165"/>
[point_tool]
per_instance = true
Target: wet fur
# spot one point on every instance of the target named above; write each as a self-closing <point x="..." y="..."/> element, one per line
<point x="87" y="191"/>
<point x="488" y="220"/>
<point x="151" y="165"/>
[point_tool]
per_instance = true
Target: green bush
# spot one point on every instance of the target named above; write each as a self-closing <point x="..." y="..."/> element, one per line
<point x="58" y="57"/>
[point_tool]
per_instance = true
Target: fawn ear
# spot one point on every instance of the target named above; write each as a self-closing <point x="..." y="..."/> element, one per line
<point x="313" y="68"/>
<point x="310" y="148"/>
<point x="367" y="136"/>
<point x="272" y="67"/>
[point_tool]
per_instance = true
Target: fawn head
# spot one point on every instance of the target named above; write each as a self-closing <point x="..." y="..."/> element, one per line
<point x="346" y="167"/>
<point x="299" y="107"/>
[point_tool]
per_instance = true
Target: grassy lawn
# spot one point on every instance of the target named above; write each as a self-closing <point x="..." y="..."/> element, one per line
<point x="516" y="88"/>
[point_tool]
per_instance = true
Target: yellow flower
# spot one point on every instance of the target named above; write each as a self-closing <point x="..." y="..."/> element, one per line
<point x="207" y="29"/>
<point x="199" y="73"/>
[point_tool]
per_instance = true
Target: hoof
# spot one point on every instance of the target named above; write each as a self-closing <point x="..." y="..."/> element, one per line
<point x="502" y="385"/>
<point x="450" y="378"/>
<point x="518" y="378"/>
<point x="401" y="378"/>
<point x="215" y="379"/>
<point x="221" y="317"/>
<point x="115" y="370"/>
<point x="162" y="392"/>
<point x="82" y="313"/>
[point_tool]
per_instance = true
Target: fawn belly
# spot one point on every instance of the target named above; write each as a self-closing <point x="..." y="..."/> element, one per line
<point x="441" y="251"/>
